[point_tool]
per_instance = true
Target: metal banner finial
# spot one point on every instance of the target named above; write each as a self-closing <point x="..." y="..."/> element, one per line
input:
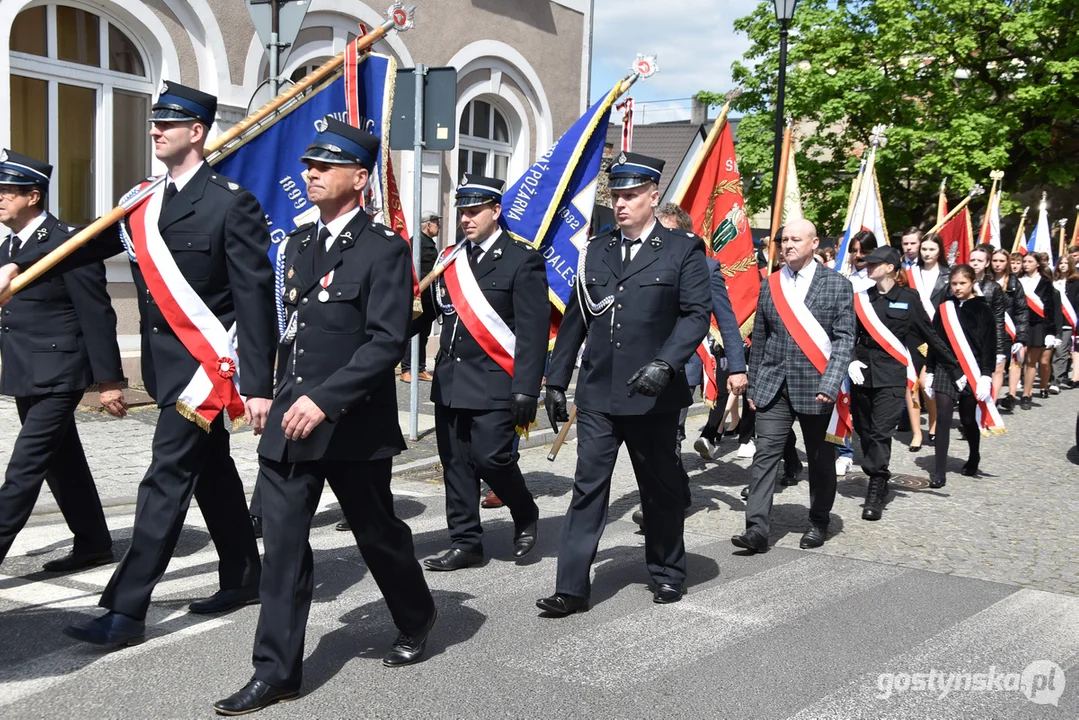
<point x="645" y="66"/>
<point x="877" y="137"/>
<point x="976" y="191"/>
<point x="997" y="175"/>
<point x="733" y="95"/>
<point x="403" y="16"/>
<point x="1062" y="222"/>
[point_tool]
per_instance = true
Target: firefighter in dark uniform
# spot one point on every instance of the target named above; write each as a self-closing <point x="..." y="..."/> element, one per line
<point x="58" y="339"/>
<point x="478" y="403"/>
<point x="878" y="380"/>
<point x="348" y="298"/>
<point x="217" y="235"/>
<point x="642" y="301"/>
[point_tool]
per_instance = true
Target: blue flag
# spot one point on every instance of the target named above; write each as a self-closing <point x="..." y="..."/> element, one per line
<point x="268" y="164"/>
<point x="550" y="206"/>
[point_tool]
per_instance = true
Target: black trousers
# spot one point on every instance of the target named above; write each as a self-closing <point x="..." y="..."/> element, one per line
<point x="477" y="445"/>
<point x="876" y="414"/>
<point x="290" y="497"/>
<point x="48" y="449"/>
<point x="774" y="424"/>
<point x="968" y="406"/>
<point x="650" y="441"/>
<point x="424" y="328"/>
<point x="186" y="462"/>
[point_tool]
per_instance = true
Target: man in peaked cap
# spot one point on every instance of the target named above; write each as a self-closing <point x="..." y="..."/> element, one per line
<point x="493" y="348"/>
<point x="643" y="305"/>
<point x="348" y="299"/>
<point x="58" y="338"/>
<point x="213" y="239"/>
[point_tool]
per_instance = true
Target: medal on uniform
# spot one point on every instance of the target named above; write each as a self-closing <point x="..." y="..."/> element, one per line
<point x="291" y="271"/>
<point x="292" y="295"/>
<point x="324" y="294"/>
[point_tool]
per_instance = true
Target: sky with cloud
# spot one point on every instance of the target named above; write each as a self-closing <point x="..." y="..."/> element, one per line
<point x="694" y="40"/>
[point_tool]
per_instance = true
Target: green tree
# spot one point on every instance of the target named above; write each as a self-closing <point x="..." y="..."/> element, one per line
<point x="966" y="86"/>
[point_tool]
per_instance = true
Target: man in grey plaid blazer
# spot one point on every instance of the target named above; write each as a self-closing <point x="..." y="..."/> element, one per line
<point x="784" y="385"/>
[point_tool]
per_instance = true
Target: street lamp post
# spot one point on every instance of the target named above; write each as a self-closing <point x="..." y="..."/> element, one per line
<point x="784" y="15"/>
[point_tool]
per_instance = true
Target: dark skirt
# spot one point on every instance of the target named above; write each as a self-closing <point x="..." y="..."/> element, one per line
<point x="1036" y="335"/>
<point x="944" y="384"/>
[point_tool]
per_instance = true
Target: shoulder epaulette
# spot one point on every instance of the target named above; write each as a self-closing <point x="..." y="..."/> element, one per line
<point x="383" y="230"/>
<point x="302" y="229"/>
<point x="231" y="186"/>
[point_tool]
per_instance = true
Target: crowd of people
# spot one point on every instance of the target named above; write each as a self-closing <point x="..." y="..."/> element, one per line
<point x="842" y="354"/>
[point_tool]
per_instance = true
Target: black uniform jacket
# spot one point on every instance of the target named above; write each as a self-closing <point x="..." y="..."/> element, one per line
<point x="902" y="312"/>
<point x="1051" y="302"/>
<point x="59" y="333"/>
<point x="998" y="303"/>
<point x="1016" y="305"/>
<point x="976" y="319"/>
<point x="346" y="347"/>
<point x="661" y="309"/>
<point x="513" y="278"/>
<point x="217" y="233"/>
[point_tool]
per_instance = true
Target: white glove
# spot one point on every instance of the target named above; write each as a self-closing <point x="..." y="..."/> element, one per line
<point x="855" y="372"/>
<point x="1016" y="349"/>
<point x="928" y="389"/>
<point x="961" y="382"/>
<point x="985" y="388"/>
<point x="1000" y="359"/>
<point x="1050" y="341"/>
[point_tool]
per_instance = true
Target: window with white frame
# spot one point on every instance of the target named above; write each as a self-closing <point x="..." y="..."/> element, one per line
<point x="483" y="141"/>
<point x="80" y="99"/>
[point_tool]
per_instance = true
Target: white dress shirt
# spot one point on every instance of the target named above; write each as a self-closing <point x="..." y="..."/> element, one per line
<point x="27" y="232"/>
<point x="796" y="284"/>
<point x="486" y="244"/>
<point x="184" y="179"/>
<point x="636" y="247"/>
<point x="337" y="225"/>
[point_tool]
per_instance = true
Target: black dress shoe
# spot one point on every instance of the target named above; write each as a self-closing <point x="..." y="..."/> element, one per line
<point x="970" y="468"/>
<point x="455" y="559"/>
<point x="1043" y="395"/>
<point x="934" y="483"/>
<point x="1026" y="403"/>
<point x="790" y="478"/>
<point x="560" y="605"/>
<point x="744" y="492"/>
<point x="408" y="649"/>
<point x="914" y="448"/>
<point x="252" y="697"/>
<point x="638" y="517"/>
<point x="78" y="561"/>
<point x="525" y="539"/>
<point x="225" y="600"/>
<point x="931" y="439"/>
<point x="112" y="628"/>
<point x="750" y="541"/>
<point x="343" y="526"/>
<point x="667" y="593"/>
<point x="256" y="525"/>
<point x="813" y="538"/>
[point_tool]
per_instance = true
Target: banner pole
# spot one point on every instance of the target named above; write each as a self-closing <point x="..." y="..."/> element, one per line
<point x="401" y="19"/>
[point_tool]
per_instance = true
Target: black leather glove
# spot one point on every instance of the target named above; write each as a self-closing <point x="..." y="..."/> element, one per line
<point x="523" y="409"/>
<point x="557" y="407"/>
<point x="651" y="379"/>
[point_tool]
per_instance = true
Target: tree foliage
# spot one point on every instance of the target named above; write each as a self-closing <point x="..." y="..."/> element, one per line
<point x="966" y="86"/>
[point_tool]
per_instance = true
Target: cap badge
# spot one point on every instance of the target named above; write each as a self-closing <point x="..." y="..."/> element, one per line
<point x="3" y="155"/>
<point x="464" y="179"/>
<point x="164" y="88"/>
<point x="622" y="159"/>
<point x="321" y="125"/>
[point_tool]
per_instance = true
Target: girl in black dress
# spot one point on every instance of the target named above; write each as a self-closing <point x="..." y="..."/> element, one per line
<point x="1044" y="325"/>
<point x="949" y="385"/>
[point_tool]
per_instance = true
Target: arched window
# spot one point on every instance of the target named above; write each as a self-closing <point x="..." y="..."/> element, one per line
<point x="80" y="99"/>
<point x="484" y="143"/>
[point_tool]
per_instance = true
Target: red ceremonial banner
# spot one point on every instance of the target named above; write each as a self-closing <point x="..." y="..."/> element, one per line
<point x="958" y="236"/>
<point x="713" y="199"/>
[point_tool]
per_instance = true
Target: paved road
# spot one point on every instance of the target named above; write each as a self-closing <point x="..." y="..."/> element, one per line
<point x="978" y="578"/>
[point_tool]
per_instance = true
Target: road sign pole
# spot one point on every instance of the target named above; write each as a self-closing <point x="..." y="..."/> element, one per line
<point x="417" y="210"/>
<point x="275" y="48"/>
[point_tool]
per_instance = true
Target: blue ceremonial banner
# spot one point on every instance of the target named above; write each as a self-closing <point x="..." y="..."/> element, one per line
<point x="550" y="206"/>
<point x="268" y="163"/>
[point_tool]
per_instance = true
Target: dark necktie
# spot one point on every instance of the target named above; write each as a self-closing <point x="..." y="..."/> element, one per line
<point x="320" y="246"/>
<point x="627" y="251"/>
<point x="12" y="245"/>
<point x="474" y="253"/>
<point x="170" y="193"/>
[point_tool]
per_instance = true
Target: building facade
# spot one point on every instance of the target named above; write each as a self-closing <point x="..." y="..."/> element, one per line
<point x="77" y="78"/>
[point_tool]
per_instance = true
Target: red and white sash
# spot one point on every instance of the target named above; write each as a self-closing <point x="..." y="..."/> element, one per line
<point x="1035" y="304"/>
<point x="1009" y="325"/>
<point x="480" y="319"/>
<point x="1065" y="304"/>
<point x="812" y="339"/>
<point x="989" y="419"/>
<point x="709" y="389"/>
<point x="871" y="321"/>
<point x="216" y="384"/>
<point x="918" y="284"/>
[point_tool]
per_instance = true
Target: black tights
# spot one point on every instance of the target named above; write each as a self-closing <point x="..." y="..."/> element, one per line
<point x="967" y="419"/>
